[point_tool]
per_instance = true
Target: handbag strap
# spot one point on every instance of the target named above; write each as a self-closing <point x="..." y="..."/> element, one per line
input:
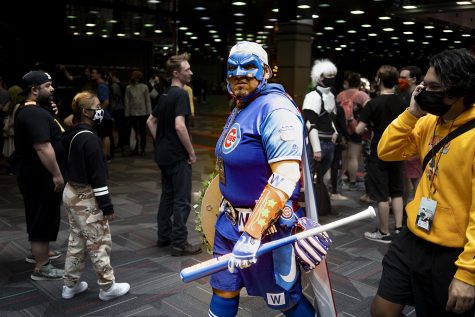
<point x="467" y="126"/>
<point x="72" y="140"/>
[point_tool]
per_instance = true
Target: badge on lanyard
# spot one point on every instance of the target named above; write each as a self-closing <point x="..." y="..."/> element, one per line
<point x="220" y="168"/>
<point x="426" y="213"/>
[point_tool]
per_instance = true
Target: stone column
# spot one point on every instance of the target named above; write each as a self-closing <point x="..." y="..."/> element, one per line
<point x="294" y="53"/>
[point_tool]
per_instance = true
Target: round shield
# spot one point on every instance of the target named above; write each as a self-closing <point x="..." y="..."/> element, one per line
<point x="210" y="209"/>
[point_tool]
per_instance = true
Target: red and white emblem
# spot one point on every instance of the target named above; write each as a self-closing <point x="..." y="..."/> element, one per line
<point x="232" y="138"/>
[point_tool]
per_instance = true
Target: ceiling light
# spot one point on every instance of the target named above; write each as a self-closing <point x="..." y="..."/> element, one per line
<point x="189" y="33"/>
<point x="183" y="28"/>
<point x="209" y="25"/>
<point x="447" y="31"/>
<point x="238" y="14"/>
<point x="200" y="8"/>
<point x="428" y="36"/>
<point x="351" y="31"/>
<point x="89" y="33"/>
<point x="408" y="22"/>
<point x="394" y="38"/>
<point x="357" y="12"/>
<point x="410" y="40"/>
<point x="328" y="28"/>
<point x="366" y="25"/>
<point x="272" y="20"/>
<point x="314" y="16"/>
<point x="71" y="17"/>
<point x="158" y="31"/>
<point x="324" y="5"/>
<point x="337" y="48"/>
<point x="90" y="25"/>
<point x="120" y="34"/>
<point x="343" y="45"/>
<point x="193" y="38"/>
<point x="153" y="1"/>
<point x="372" y="34"/>
<point x="340" y="21"/>
<point x="184" y="42"/>
<point x="103" y="35"/>
<point x="461" y="3"/>
<point x="466" y="35"/>
<point x="136" y="33"/>
<point x="239" y="3"/>
<point x="408" y="32"/>
<point x="303" y="6"/>
<point x="444" y="39"/>
<point x="148" y="25"/>
<point x="205" y="18"/>
<point x="429" y="27"/>
<point x="238" y="22"/>
<point x="217" y="40"/>
<point x="319" y="33"/>
<point x="213" y="31"/>
<point x="458" y="42"/>
<point x="388" y="29"/>
<point x="268" y="26"/>
<point x="409" y="7"/>
<point x="275" y="10"/>
<point x="384" y="18"/>
<point x="425" y="43"/>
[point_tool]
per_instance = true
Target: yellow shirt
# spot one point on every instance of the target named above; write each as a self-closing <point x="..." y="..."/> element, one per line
<point x="454" y="183"/>
<point x="190" y="97"/>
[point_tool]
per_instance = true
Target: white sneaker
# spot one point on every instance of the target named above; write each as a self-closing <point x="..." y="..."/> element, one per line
<point x="116" y="290"/>
<point x="70" y="292"/>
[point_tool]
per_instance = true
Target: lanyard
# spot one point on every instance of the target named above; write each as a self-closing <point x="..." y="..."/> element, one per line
<point x="434" y="163"/>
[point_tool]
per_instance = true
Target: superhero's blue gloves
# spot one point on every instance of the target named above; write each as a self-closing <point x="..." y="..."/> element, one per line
<point x="244" y="252"/>
<point x="312" y="250"/>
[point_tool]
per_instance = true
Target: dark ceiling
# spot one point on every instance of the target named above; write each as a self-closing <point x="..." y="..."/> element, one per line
<point x="348" y="31"/>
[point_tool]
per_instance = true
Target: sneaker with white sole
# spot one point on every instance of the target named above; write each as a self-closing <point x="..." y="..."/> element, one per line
<point x="70" y="292"/>
<point x="116" y="290"/>
<point x="53" y="255"/>
<point x="338" y="197"/>
<point x="377" y="236"/>
<point x="47" y="272"/>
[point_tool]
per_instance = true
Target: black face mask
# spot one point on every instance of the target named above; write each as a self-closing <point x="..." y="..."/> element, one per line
<point x="328" y="82"/>
<point x="432" y="102"/>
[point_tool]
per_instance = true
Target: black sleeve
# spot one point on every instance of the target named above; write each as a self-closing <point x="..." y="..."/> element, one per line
<point x="96" y="167"/>
<point x="365" y="114"/>
<point x="340" y="122"/>
<point x="182" y="105"/>
<point x="310" y="116"/>
<point x="38" y="124"/>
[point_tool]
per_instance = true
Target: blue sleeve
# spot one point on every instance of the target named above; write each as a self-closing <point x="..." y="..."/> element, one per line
<point x="282" y="136"/>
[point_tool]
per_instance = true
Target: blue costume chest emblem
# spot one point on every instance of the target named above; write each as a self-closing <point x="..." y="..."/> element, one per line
<point x="232" y="138"/>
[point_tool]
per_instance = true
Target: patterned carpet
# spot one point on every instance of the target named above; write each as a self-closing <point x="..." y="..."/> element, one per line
<point x="156" y="289"/>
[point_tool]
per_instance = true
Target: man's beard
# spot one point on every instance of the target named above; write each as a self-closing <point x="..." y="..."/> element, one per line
<point x="240" y="92"/>
<point x="44" y="101"/>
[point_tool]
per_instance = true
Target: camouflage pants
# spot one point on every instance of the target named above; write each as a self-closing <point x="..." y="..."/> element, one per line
<point x="89" y="233"/>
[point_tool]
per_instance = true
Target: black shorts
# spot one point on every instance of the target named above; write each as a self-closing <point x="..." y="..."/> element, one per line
<point x="418" y="273"/>
<point x="42" y="208"/>
<point x="104" y="129"/>
<point x="385" y="179"/>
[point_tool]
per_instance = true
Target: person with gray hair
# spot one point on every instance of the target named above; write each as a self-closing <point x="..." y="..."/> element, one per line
<point x="431" y="265"/>
<point x="319" y="108"/>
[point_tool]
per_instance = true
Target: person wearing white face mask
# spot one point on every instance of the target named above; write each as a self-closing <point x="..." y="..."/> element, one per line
<point x="88" y="203"/>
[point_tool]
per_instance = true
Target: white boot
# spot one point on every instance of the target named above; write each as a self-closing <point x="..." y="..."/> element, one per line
<point x="116" y="290"/>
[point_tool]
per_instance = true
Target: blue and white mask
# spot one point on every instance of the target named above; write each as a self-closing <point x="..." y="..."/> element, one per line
<point x="248" y="65"/>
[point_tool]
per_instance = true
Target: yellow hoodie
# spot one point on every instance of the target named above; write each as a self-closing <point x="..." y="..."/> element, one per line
<point x="454" y="183"/>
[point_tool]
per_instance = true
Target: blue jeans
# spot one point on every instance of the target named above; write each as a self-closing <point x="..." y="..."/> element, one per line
<point x="328" y="150"/>
<point x="175" y="200"/>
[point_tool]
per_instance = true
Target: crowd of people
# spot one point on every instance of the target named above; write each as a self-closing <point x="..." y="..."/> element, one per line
<point x="413" y="129"/>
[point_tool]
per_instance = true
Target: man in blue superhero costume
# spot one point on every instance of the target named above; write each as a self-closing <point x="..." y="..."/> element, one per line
<point x="258" y="161"/>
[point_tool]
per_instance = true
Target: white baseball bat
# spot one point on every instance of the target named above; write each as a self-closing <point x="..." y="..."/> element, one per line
<point x="220" y="263"/>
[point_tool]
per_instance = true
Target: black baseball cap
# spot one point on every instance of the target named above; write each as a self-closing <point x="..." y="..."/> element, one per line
<point x="34" y="78"/>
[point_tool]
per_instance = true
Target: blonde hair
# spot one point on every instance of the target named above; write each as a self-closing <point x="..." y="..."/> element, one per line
<point x="83" y="99"/>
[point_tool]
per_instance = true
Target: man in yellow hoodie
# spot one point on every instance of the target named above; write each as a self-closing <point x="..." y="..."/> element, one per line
<point x="431" y="263"/>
